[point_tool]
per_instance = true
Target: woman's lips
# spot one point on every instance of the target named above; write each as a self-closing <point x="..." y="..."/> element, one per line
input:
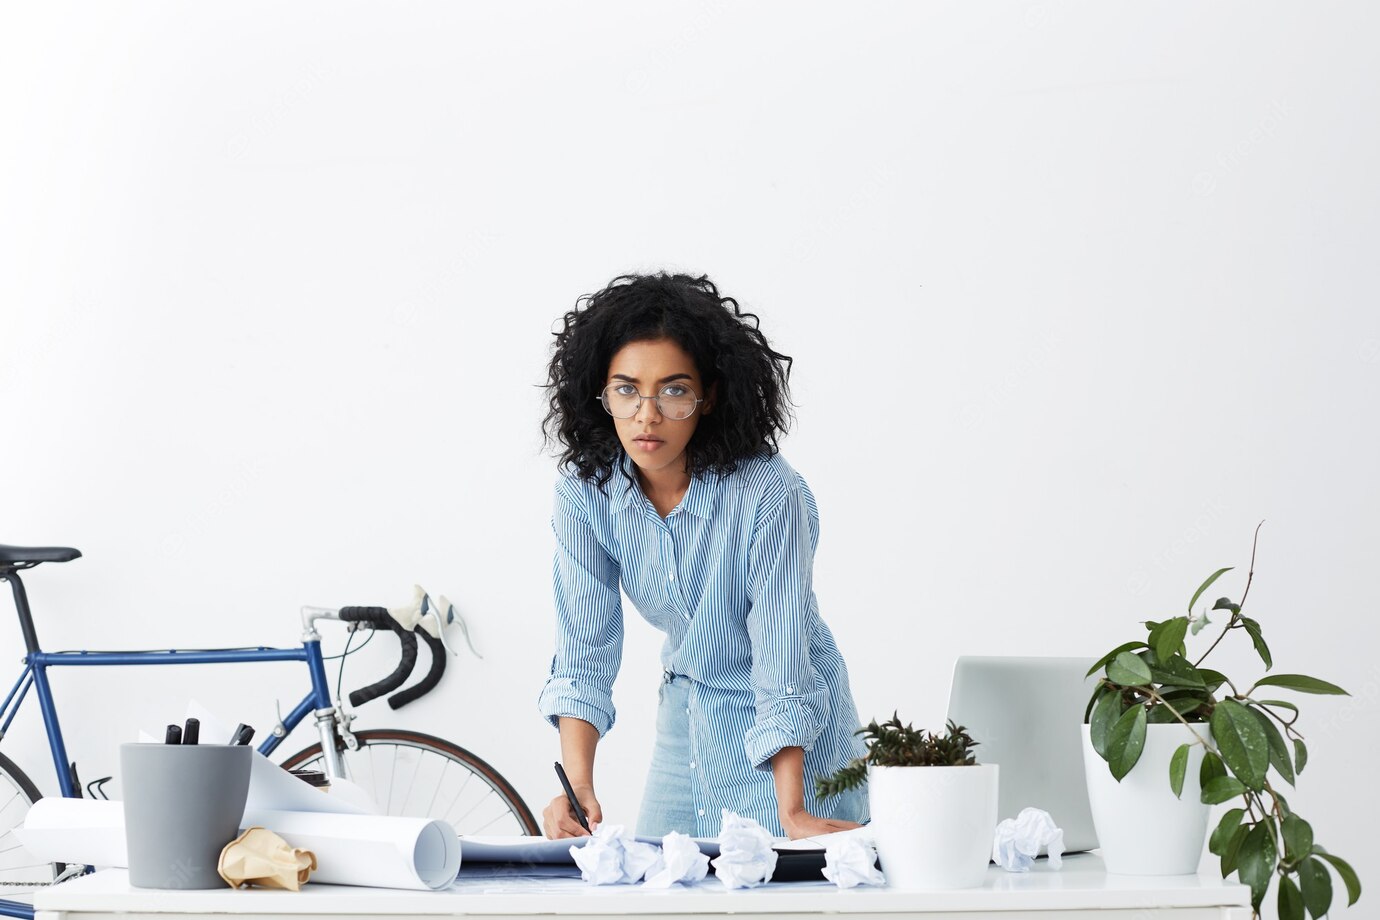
<point x="648" y="444"/>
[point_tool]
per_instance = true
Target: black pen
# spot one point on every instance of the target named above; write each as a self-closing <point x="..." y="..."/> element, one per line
<point x="191" y="734"/>
<point x="242" y="734"/>
<point x="173" y="735"/>
<point x="570" y="794"/>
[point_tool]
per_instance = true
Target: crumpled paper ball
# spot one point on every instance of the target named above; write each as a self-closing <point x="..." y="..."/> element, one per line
<point x="850" y="862"/>
<point x="745" y="858"/>
<point x="1017" y="841"/>
<point x="640" y="860"/>
<point x="681" y="861"/>
<point x="260" y="857"/>
<point x="612" y="856"/>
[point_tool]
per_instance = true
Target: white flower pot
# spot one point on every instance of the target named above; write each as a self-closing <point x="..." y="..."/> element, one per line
<point x="933" y="825"/>
<point x="1142" y="827"/>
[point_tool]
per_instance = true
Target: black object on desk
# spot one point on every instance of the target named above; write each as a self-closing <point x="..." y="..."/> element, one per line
<point x="173" y="735"/>
<point x="191" y="733"/>
<point x="242" y="734"/>
<point x="798" y="866"/>
<point x="570" y="794"/>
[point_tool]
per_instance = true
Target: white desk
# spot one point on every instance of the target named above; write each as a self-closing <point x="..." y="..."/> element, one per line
<point x="1081" y="889"/>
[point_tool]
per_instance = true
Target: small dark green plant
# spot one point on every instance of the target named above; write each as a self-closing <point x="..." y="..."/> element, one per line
<point x="892" y="744"/>
<point x="1153" y="681"/>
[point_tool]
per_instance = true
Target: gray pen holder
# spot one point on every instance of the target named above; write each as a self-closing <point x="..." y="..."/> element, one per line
<point x="183" y="804"/>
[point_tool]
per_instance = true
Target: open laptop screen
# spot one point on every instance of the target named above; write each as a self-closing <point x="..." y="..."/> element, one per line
<point x="1025" y="714"/>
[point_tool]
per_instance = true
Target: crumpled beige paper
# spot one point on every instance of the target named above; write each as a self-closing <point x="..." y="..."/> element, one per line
<point x="260" y="857"/>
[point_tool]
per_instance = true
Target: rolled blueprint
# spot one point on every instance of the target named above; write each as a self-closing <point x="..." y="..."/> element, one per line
<point x="371" y="850"/>
<point x="83" y="831"/>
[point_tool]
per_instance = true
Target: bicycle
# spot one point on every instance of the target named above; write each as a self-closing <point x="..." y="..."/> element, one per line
<point x="441" y="771"/>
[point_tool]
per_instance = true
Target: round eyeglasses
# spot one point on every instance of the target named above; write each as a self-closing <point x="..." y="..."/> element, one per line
<point x="676" y="401"/>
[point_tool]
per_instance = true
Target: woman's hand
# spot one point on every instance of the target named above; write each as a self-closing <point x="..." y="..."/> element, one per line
<point x="558" y="818"/>
<point x="578" y="740"/>
<point x="787" y="769"/>
<point x="801" y="823"/>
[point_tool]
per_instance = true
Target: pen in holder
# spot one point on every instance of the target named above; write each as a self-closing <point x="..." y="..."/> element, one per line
<point x="183" y="804"/>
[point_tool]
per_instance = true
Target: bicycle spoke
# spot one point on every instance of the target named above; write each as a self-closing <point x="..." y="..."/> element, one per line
<point x="440" y="779"/>
<point x="392" y="774"/>
<point x="457" y="794"/>
<point x="473" y="807"/>
<point x="399" y="787"/>
<point x="373" y="775"/>
<point x="482" y="828"/>
<point x="411" y="784"/>
<point x="15" y="871"/>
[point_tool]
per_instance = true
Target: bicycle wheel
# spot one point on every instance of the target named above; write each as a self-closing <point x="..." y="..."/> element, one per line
<point x="418" y="775"/>
<point x="17" y="866"/>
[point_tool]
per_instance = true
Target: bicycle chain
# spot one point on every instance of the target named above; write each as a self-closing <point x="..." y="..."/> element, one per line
<point x="59" y="881"/>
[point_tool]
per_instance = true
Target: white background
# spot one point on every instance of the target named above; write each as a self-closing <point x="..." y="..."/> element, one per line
<point x="1078" y="294"/>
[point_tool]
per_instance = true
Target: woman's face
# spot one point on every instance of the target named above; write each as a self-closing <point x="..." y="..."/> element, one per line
<point x="656" y="443"/>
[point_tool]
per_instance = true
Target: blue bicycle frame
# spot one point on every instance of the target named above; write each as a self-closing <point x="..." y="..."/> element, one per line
<point x="37" y="662"/>
<point x="35" y="675"/>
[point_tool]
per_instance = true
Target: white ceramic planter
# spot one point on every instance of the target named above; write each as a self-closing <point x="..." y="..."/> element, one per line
<point x="1142" y="827"/>
<point x="933" y="825"/>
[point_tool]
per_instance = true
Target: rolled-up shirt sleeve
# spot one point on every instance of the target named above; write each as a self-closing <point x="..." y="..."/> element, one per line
<point x="589" y="620"/>
<point x="792" y="703"/>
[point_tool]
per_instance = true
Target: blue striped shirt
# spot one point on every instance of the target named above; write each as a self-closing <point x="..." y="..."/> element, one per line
<point x="727" y="576"/>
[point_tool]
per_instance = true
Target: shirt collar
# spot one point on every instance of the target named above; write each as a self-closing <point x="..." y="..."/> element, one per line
<point x="698" y="500"/>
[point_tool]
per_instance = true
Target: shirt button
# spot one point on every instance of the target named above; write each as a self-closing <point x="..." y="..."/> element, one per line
<point x="701" y="812"/>
<point x="673" y="576"/>
<point x="692" y="765"/>
<point x="790" y="689"/>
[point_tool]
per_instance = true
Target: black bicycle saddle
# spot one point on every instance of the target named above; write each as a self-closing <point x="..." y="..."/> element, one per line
<point x="32" y="555"/>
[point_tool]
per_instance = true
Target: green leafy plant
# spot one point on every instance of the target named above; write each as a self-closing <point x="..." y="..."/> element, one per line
<point x="892" y="744"/>
<point x="1253" y="744"/>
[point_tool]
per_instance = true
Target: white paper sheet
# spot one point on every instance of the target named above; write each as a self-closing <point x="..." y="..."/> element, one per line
<point x="271" y="788"/>
<point x="372" y="850"/>
<point x="824" y="841"/>
<point x="82" y="831"/>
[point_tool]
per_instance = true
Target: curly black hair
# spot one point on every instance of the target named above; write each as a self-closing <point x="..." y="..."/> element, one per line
<point x="752" y="408"/>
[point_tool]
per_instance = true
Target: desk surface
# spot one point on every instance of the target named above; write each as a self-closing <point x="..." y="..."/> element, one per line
<point x="1081" y="885"/>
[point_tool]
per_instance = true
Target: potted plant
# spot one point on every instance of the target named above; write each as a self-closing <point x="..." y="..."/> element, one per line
<point x="1223" y="740"/>
<point x="933" y="806"/>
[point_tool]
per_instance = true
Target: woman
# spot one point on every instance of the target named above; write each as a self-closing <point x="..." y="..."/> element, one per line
<point x="668" y="404"/>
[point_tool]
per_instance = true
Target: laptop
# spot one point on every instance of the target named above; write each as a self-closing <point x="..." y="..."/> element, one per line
<point x="1025" y="715"/>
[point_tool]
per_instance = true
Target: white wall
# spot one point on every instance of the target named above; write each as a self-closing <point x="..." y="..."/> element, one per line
<point x="1078" y="294"/>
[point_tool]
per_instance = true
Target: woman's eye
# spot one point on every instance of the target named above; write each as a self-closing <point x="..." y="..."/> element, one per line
<point x="673" y="390"/>
<point x="625" y="389"/>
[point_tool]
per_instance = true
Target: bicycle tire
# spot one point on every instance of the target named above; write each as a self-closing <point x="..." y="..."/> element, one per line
<point x="400" y="739"/>
<point x="12" y="813"/>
